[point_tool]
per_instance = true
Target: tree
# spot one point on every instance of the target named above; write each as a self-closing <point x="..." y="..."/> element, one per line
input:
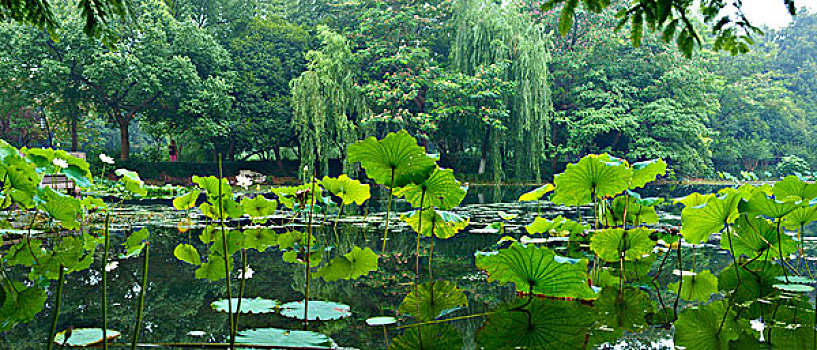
<point x="94" y="13"/>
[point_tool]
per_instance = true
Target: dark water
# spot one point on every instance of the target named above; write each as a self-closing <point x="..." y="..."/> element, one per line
<point x="177" y="303"/>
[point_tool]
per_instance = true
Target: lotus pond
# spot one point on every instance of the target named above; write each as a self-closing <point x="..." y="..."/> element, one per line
<point x="596" y="260"/>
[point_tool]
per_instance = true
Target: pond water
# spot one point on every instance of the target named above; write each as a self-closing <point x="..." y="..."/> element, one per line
<point x="178" y="307"/>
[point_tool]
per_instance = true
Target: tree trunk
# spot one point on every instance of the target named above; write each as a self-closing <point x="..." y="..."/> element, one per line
<point x="124" y="138"/>
<point x="74" y="137"/>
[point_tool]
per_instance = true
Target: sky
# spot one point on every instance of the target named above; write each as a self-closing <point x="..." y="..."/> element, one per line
<point x="773" y="13"/>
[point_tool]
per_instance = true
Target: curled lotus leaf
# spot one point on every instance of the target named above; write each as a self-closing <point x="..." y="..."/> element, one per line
<point x="348" y="190"/>
<point x="440" y="190"/>
<point x="433" y="298"/>
<point x="537" y="270"/>
<point x="440" y="224"/>
<point x="639" y="210"/>
<point x="187" y="253"/>
<point x="396" y="160"/>
<point x="558" y="225"/>
<point x="694" y="199"/>
<point x="537" y="193"/>
<point x="133" y="183"/>
<point x="647" y="171"/>
<point x="318" y="310"/>
<point x="186" y="201"/>
<point x="756" y="280"/>
<point x="697" y="287"/>
<point x="701" y="221"/>
<point x="599" y="175"/>
<point x="613" y="244"/>
<point x="83" y="337"/>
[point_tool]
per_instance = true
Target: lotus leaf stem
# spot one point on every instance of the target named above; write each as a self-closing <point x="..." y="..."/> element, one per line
<point x="240" y="288"/>
<point x="680" y="281"/>
<point x="335" y="227"/>
<point x="105" y="281"/>
<point x="388" y="210"/>
<point x="780" y="250"/>
<point x="55" y="319"/>
<point x="226" y="258"/>
<point x="309" y="254"/>
<point x="137" y="326"/>
<point x="465" y="317"/>
<point x="417" y="252"/>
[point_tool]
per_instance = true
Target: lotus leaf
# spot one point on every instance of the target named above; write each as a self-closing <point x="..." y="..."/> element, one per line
<point x="701" y="221"/>
<point x="77" y="170"/>
<point x="791" y="186"/>
<point x="442" y="224"/>
<point x="637" y="270"/>
<point x="349" y="190"/>
<point x="429" y="337"/>
<point x="59" y="206"/>
<point x="543" y="325"/>
<point x="21" y="181"/>
<point x="210" y="185"/>
<point x="213" y="269"/>
<point x="558" y="225"/>
<point x="434" y="297"/>
<point x="796" y="279"/>
<point x="394" y="161"/>
<point x="760" y="204"/>
<point x="756" y="281"/>
<point x="706" y="328"/>
<point x="356" y="263"/>
<point x="187" y="253"/>
<point x="132" y="182"/>
<point x="537" y="193"/>
<point x="647" y="171"/>
<point x="135" y="242"/>
<point x="186" y="201"/>
<point x="794" y="288"/>
<point x="800" y="217"/>
<point x="381" y="321"/>
<point x="318" y="310"/>
<point x="260" y="239"/>
<point x="213" y="210"/>
<point x="441" y="190"/>
<point x="20" y="304"/>
<point x="791" y="337"/>
<point x="612" y="244"/>
<point x="753" y="236"/>
<point x="694" y="199"/>
<point x="624" y="310"/>
<point x="696" y="287"/>
<point x="258" y="207"/>
<point x="248" y="305"/>
<point x="283" y="338"/>
<point x="83" y="337"/>
<point x="537" y="270"/>
<point x="599" y="175"/>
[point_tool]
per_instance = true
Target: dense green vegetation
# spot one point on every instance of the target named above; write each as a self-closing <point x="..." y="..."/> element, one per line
<point x="494" y="89"/>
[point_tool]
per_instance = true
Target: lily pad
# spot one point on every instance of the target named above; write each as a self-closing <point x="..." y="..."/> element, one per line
<point x="794" y="288"/>
<point x="283" y="338"/>
<point x="381" y="321"/>
<point x="796" y="279"/>
<point x="537" y="270"/>
<point x="318" y="310"/>
<point x="82" y="337"/>
<point x="433" y="298"/>
<point x="248" y="305"/>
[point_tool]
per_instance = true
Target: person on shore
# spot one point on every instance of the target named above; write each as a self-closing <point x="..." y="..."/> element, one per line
<point x="171" y="150"/>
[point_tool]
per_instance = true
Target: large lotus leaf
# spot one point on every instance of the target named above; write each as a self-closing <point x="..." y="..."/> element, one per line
<point x="701" y="221"/>
<point x="395" y="159"/>
<point x="77" y="170"/>
<point x="598" y="174"/>
<point x="538" y="270"/>
<point x="756" y="281"/>
<point x="537" y="193"/>
<point x="21" y="180"/>
<point x="25" y="254"/>
<point x="792" y="186"/>
<point x="543" y="325"/>
<point x="800" y="217"/>
<point x="283" y="338"/>
<point x="791" y="337"/>
<point x="136" y="241"/>
<point x="318" y="310"/>
<point x="260" y="239"/>
<point x="59" y="206"/>
<point x="694" y="199"/>
<point x="187" y="253"/>
<point x="235" y="241"/>
<point x="248" y="305"/>
<point x="132" y="182"/>
<point x="442" y="190"/>
<point x="428" y="337"/>
<point x="349" y="190"/>
<point x="291" y="196"/>
<point x="612" y="244"/>
<point x="696" y="287"/>
<point x="706" y="328"/>
<point x="258" y="207"/>
<point x="434" y="297"/>
<point x="210" y="185"/>
<point x="442" y="224"/>
<point x="626" y="310"/>
<point x="186" y="201"/>
<point x="213" y="209"/>
<point x="752" y="236"/>
<point x="637" y="270"/>
<point x="83" y="337"/>
<point x="356" y="263"/>
<point x="21" y="304"/>
<point x="558" y="225"/>
<point x="639" y="210"/>
<point x="213" y="269"/>
<point x="647" y="171"/>
<point x="760" y="204"/>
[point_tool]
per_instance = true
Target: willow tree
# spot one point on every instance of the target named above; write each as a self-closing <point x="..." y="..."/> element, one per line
<point x="500" y="33"/>
<point x="326" y="101"/>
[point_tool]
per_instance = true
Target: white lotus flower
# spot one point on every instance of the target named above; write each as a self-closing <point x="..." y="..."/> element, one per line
<point x="62" y="163"/>
<point x="247" y="273"/>
<point x="243" y="181"/>
<point x="105" y="158"/>
<point x="111" y="266"/>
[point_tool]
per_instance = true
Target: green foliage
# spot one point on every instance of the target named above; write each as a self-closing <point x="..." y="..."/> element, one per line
<point x="615" y="244"/>
<point x="431" y="337"/>
<point x="433" y="298"/>
<point x="187" y="253"/>
<point x="350" y="191"/>
<point x="394" y="161"/>
<point x="132" y="182"/>
<point x="558" y="225"/>
<point x="710" y="326"/>
<point x="258" y="208"/>
<point x="537" y="270"/>
<point x="440" y="190"/>
<point x="358" y="262"/>
<point x="701" y="221"/>
<point x="436" y="224"/>
<point x="597" y="175"/>
<point x="536" y="194"/>
<point x="696" y="287"/>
